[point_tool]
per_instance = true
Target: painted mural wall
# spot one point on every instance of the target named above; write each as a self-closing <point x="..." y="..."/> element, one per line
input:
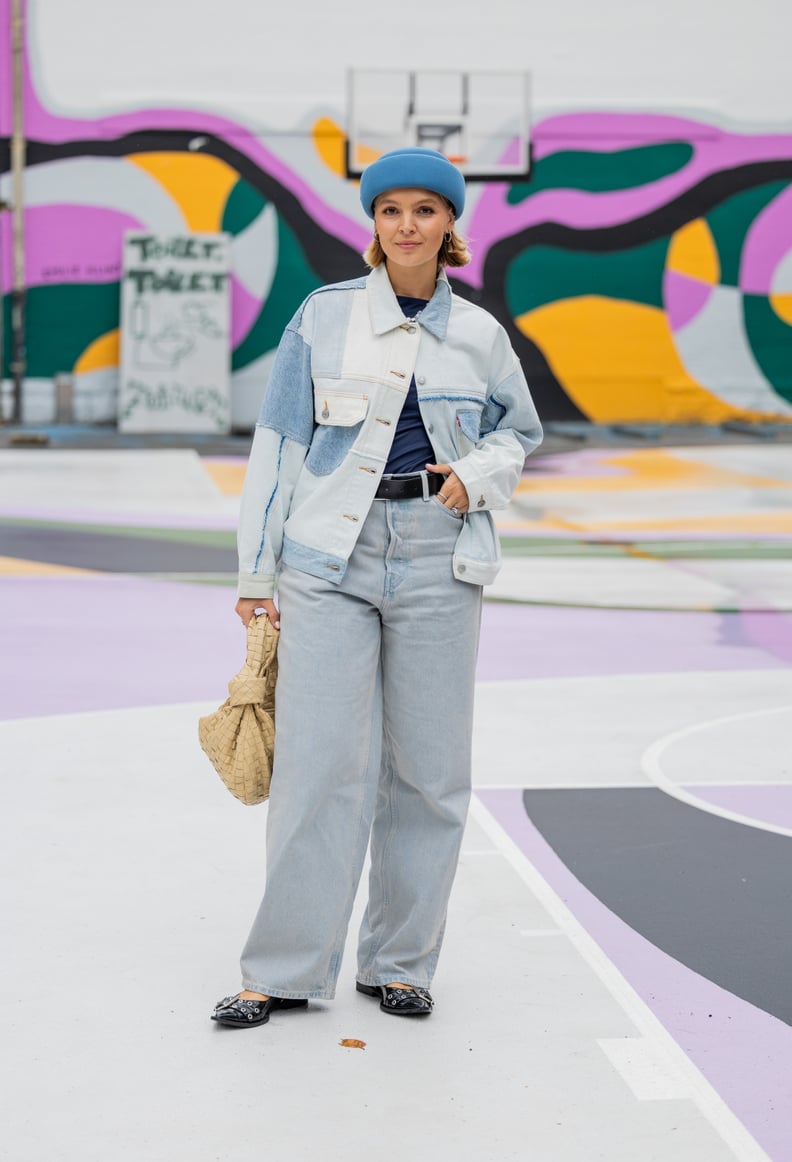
<point x="643" y="270"/>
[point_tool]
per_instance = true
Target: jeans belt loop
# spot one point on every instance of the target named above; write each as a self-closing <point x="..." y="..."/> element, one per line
<point x="425" y="484"/>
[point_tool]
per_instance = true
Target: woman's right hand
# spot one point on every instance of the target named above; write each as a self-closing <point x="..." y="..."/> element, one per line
<point x="246" y="609"/>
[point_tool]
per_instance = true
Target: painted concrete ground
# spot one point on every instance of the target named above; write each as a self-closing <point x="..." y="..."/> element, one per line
<point x="615" y="983"/>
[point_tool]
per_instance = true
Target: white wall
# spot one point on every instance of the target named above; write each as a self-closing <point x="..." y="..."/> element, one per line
<point x="272" y="64"/>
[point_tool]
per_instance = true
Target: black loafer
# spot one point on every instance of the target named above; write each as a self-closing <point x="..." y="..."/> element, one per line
<point x="244" y="1014"/>
<point x="401" y="1002"/>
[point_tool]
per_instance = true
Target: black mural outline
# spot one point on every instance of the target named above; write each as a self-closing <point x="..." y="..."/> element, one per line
<point x="334" y="260"/>
<point x="660" y="223"/>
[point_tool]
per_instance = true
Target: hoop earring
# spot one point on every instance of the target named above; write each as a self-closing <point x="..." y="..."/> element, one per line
<point x="447" y="238"/>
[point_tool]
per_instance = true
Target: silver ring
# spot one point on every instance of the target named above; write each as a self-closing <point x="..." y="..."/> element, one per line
<point x="442" y="496"/>
<point x="455" y="511"/>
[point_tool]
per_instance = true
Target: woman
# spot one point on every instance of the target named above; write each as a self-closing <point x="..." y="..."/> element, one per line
<point x="395" y="418"/>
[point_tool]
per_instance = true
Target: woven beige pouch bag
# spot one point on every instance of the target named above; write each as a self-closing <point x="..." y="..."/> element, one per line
<point x="239" y="737"/>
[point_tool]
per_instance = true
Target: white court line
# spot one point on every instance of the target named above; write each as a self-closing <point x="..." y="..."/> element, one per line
<point x="650" y="765"/>
<point x="663" y="1046"/>
<point x="648" y="1078"/>
<point x="782" y="782"/>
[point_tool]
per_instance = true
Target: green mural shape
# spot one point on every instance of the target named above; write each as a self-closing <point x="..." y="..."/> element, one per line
<point x="731" y="221"/>
<point x="243" y="206"/>
<point x="601" y="172"/>
<point x="62" y="320"/>
<point x="5" y="306"/>
<point x="294" y="280"/>
<point x="771" y="342"/>
<point x="547" y="274"/>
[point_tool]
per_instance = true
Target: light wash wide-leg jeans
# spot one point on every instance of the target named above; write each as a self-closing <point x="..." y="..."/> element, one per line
<point x="374" y="710"/>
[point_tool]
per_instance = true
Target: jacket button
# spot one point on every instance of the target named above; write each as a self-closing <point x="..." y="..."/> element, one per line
<point x="421" y="379"/>
<point x="460" y="568"/>
<point x="411" y="330"/>
<point x="430" y="429"/>
<point x="481" y="502"/>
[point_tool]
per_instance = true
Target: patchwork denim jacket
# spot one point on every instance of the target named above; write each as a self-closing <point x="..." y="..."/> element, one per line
<point x="330" y="410"/>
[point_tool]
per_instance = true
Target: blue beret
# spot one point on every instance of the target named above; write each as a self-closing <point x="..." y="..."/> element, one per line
<point x="414" y="169"/>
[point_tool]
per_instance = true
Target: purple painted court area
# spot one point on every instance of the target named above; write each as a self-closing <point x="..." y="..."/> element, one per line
<point x="72" y="644"/>
<point x="120" y="641"/>
<point x="584" y="462"/>
<point x="764" y="802"/>
<point x="540" y="641"/>
<point x="744" y="1053"/>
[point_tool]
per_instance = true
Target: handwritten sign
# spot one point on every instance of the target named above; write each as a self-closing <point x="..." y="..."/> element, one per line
<point x="175" y="324"/>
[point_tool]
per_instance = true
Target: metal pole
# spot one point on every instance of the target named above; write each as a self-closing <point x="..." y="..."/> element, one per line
<point x="18" y="294"/>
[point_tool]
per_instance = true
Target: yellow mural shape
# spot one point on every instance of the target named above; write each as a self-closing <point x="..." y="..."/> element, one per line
<point x="228" y="475"/>
<point x="693" y="253"/>
<point x="747" y="524"/>
<point x="198" y="183"/>
<point x="17" y="567"/>
<point x="648" y="469"/>
<point x="365" y="155"/>
<point x="618" y="362"/>
<point x="103" y="352"/>
<point x="782" y="305"/>
<point x="330" y="142"/>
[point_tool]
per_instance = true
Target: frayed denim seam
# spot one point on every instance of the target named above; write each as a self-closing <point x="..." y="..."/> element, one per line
<point x="453" y="398"/>
<point x="269" y="505"/>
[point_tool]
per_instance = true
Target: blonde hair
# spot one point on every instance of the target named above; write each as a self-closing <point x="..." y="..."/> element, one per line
<point x="454" y="250"/>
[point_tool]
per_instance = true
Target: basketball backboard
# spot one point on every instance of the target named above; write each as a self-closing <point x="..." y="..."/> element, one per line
<point x="479" y="120"/>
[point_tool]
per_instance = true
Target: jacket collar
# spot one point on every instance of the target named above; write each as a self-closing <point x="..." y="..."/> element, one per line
<point x="386" y="314"/>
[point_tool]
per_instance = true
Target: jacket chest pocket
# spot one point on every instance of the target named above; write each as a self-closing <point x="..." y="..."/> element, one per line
<point x="339" y="409"/>
<point x="468" y="428"/>
<point x="339" y="417"/>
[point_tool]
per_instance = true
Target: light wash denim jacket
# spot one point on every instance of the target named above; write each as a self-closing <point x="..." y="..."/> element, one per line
<point x="338" y="383"/>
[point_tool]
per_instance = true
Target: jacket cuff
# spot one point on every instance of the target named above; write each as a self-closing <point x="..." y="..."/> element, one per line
<point x="258" y="585"/>
<point x="480" y="494"/>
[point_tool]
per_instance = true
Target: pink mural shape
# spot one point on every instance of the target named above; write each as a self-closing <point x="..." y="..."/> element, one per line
<point x="714" y="150"/>
<point x="5" y="56"/>
<point x="72" y="244"/>
<point x="245" y="309"/>
<point x="767" y="242"/>
<point x="493" y="218"/>
<point x="683" y="298"/>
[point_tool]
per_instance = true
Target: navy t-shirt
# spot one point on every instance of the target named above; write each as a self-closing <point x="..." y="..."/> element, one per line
<point x="411" y="450"/>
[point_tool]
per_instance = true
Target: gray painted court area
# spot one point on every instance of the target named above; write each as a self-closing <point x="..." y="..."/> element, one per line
<point x="710" y="892"/>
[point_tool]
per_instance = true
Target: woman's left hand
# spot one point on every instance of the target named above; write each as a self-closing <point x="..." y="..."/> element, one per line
<point x="453" y="494"/>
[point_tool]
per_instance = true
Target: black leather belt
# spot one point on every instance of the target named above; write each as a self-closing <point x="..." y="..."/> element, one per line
<point x="408" y="487"/>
